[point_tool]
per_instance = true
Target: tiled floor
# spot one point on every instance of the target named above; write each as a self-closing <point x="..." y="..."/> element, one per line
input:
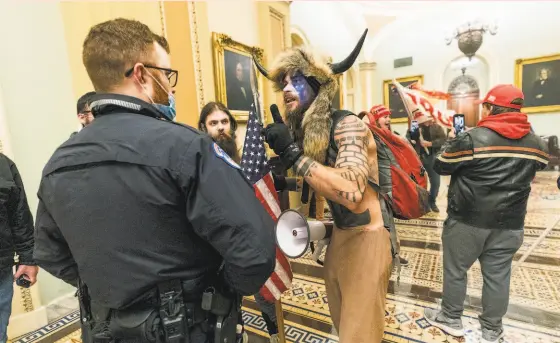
<point x="534" y="312"/>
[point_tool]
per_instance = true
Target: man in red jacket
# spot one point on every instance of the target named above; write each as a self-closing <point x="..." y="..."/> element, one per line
<point x="491" y="168"/>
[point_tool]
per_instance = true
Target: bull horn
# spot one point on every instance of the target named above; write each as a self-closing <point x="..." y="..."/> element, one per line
<point x="341" y="67"/>
<point x="261" y="69"/>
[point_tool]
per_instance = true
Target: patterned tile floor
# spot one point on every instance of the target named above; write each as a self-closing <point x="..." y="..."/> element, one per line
<point x="533" y="317"/>
<point x="404" y="318"/>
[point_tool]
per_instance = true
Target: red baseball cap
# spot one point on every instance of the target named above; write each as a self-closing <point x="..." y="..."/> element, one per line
<point x="503" y="95"/>
<point x="379" y="111"/>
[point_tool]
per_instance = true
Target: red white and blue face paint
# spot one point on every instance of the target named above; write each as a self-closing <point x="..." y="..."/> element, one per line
<point x="297" y="92"/>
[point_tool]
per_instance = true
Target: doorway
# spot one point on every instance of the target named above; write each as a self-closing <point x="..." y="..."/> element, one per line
<point x="464" y="92"/>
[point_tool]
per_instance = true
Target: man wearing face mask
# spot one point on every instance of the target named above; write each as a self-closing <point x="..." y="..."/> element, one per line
<point x="142" y="213"/>
<point x="336" y="154"/>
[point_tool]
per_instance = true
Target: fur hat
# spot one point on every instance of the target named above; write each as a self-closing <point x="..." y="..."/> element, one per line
<point x="320" y="74"/>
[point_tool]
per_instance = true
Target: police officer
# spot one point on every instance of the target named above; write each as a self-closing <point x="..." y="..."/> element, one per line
<point x="140" y="211"/>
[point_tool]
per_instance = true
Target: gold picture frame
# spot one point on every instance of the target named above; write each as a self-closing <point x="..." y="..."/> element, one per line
<point x="226" y="48"/>
<point x="529" y="67"/>
<point x="394" y="102"/>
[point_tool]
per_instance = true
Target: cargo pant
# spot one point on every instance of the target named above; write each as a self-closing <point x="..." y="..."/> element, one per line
<point x="357" y="272"/>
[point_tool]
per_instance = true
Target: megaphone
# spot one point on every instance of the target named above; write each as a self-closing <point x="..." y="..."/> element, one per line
<point x="294" y="234"/>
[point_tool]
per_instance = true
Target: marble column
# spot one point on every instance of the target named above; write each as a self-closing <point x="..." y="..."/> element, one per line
<point x="367" y="70"/>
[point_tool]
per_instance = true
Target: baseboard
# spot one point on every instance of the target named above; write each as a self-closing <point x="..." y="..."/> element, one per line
<point x="24" y="323"/>
<point x="27" y="322"/>
<point x="62" y="306"/>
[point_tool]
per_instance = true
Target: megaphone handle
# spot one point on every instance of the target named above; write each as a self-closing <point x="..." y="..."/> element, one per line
<point x="305" y="193"/>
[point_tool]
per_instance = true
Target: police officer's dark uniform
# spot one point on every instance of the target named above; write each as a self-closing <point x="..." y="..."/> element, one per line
<point x="134" y="203"/>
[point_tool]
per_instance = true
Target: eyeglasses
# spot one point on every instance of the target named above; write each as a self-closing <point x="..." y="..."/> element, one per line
<point x="171" y="74"/>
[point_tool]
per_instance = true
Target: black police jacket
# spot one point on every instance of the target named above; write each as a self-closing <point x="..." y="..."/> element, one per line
<point x="134" y="200"/>
<point x="16" y="222"/>
<point x="492" y="167"/>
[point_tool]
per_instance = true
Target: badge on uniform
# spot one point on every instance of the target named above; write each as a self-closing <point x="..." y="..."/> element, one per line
<point x="222" y="155"/>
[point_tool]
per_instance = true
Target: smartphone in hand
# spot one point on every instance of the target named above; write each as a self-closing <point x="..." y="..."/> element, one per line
<point x="414" y="131"/>
<point x="22" y="280"/>
<point x="459" y="123"/>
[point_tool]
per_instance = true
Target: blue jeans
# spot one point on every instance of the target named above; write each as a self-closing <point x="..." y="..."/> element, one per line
<point x="6" y="294"/>
<point x="435" y="179"/>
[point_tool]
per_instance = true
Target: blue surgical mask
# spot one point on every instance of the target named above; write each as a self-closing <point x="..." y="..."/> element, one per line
<point x="168" y="111"/>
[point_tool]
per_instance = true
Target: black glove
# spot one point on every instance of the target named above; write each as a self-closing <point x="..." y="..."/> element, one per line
<point x="280" y="183"/>
<point x="280" y="140"/>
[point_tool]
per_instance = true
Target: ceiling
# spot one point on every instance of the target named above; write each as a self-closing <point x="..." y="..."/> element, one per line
<point x="335" y="26"/>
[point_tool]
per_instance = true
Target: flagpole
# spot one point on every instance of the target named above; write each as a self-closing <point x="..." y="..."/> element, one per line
<point x="408" y="112"/>
<point x="258" y="111"/>
<point x="280" y="320"/>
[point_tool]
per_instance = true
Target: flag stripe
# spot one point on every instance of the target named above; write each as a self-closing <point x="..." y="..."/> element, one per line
<point x="254" y="164"/>
<point x="270" y="198"/>
<point x="264" y="203"/>
<point x="282" y="275"/>
<point x="269" y="181"/>
<point x="272" y="289"/>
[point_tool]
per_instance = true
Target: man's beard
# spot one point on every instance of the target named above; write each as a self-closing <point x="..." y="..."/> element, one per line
<point x="229" y="145"/>
<point x="160" y="95"/>
<point x="295" y="119"/>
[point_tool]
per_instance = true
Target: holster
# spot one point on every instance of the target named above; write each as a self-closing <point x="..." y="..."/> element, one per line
<point x="226" y="310"/>
<point x="86" y="317"/>
<point x="143" y="325"/>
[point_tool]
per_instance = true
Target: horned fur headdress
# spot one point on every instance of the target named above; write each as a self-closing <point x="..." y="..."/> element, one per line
<point x="320" y="74"/>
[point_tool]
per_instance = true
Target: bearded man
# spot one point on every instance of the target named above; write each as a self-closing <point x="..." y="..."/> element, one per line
<point x="216" y="120"/>
<point x="339" y="161"/>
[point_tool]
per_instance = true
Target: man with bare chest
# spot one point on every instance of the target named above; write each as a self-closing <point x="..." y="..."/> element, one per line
<point x="336" y="154"/>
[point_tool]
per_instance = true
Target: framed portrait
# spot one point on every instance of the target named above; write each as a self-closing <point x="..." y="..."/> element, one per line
<point x="338" y="100"/>
<point x="235" y="75"/>
<point x="393" y="101"/>
<point x="539" y="79"/>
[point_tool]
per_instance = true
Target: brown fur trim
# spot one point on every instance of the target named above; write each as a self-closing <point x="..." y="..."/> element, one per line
<point x="317" y="119"/>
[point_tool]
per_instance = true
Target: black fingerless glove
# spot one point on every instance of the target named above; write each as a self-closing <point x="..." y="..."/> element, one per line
<point x="280" y="140"/>
<point x="291" y="155"/>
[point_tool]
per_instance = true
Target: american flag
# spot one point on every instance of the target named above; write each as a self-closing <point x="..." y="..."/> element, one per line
<point x="254" y="164"/>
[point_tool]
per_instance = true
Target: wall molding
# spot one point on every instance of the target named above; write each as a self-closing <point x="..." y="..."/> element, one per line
<point x="162" y="18"/>
<point x="196" y="54"/>
<point x="299" y="32"/>
<point x="26" y="299"/>
<point x="367" y="66"/>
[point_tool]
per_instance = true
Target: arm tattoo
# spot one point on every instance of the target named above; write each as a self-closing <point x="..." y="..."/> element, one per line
<point x="351" y="137"/>
<point x="304" y="166"/>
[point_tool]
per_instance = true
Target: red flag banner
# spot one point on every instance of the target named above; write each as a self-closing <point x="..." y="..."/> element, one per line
<point x="430" y="94"/>
<point x="417" y="105"/>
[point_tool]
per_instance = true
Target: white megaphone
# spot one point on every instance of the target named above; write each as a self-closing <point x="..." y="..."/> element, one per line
<point x="294" y="234"/>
